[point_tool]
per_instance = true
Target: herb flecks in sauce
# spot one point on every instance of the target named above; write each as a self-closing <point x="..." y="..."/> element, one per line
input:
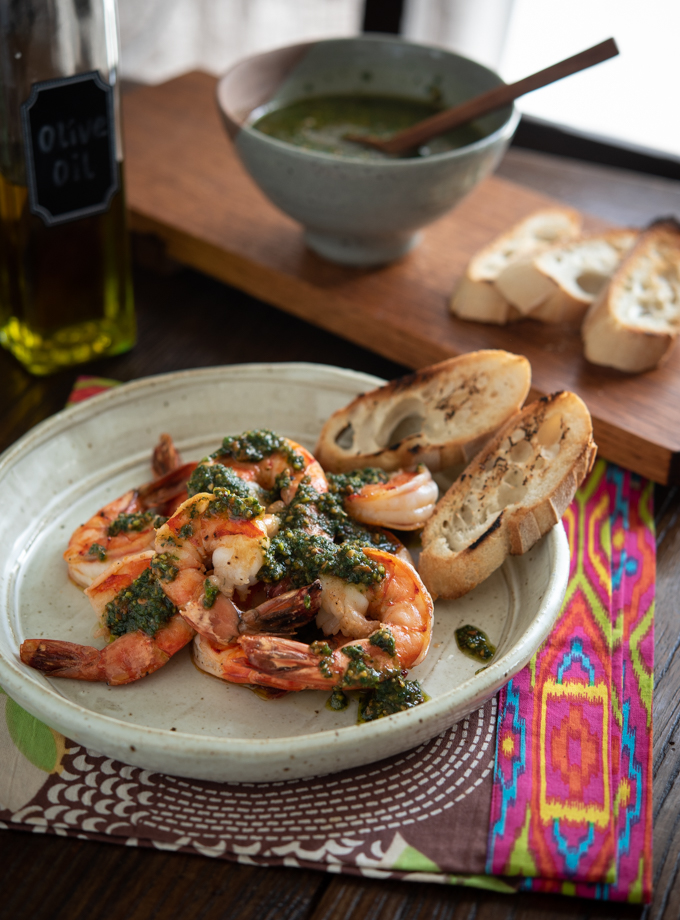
<point x="97" y="550"/>
<point x="337" y="701"/>
<point x="392" y="695"/>
<point x="210" y="592"/>
<point x="236" y="506"/>
<point x="320" y="123"/>
<point x="164" y="568"/>
<point x="208" y="476"/>
<point x="254" y="446"/>
<point x="474" y="643"/>
<point x="383" y="639"/>
<point x="324" y="651"/>
<point x="360" y="672"/>
<point x="303" y="557"/>
<point x="135" y="522"/>
<point x="143" y="605"/>
<point x="349" y="483"/>
<point x="324" y="512"/>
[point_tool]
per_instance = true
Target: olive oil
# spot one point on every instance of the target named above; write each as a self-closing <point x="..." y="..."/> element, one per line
<point x="65" y="290"/>
<point x="65" y="284"/>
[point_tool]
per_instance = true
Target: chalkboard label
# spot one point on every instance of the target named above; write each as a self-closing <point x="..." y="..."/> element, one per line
<point x="70" y="141"/>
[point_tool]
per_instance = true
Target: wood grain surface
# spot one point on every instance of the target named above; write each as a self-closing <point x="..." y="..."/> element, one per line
<point x="189" y="320"/>
<point x="186" y="185"/>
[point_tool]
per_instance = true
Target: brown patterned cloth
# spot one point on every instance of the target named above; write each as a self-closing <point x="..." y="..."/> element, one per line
<point x="396" y="817"/>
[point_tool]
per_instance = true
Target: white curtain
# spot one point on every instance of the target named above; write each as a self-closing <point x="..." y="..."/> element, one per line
<point x="163" y="38"/>
<point x="474" y="28"/>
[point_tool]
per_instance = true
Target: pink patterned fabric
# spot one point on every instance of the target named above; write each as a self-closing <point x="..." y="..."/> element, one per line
<point x="571" y="806"/>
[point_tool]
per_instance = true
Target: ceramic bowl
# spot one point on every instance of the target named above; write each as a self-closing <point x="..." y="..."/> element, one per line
<point x="358" y="211"/>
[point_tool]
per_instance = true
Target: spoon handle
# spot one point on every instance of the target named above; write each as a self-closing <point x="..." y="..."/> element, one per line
<point x="494" y="99"/>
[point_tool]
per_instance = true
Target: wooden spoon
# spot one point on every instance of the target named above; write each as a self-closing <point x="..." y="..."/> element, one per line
<point x="489" y="101"/>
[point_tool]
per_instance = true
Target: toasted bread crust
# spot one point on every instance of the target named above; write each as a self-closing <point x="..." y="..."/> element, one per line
<point x="512" y="493"/>
<point x="634" y="323"/>
<point x="481" y="302"/>
<point x="456" y="406"/>
<point x="477" y="297"/>
<point x="559" y="283"/>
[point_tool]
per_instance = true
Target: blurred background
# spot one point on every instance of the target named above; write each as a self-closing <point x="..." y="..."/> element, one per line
<point x="626" y="107"/>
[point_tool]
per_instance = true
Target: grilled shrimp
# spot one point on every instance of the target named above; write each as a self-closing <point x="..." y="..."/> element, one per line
<point x="123" y="527"/>
<point x="403" y="500"/>
<point x="131" y="607"/>
<point x="211" y="547"/>
<point x="384" y="628"/>
<point x="263" y="457"/>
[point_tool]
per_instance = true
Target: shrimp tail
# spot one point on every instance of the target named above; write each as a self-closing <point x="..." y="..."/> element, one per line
<point x="159" y="492"/>
<point x="271" y="654"/>
<point x="284" y="614"/>
<point x="62" y="659"/>
<point x="129" y="657"/>
<point x="165" y="457"/>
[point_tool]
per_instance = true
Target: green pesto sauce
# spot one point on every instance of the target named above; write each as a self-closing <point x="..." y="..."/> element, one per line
<point x="307" y="511"/>
<point x="209" y="476"/>
<point x="143" y="605"/>
<point x="164" y="568"/>
<point x="474" y="643"/>
<point x="135" y="522"/>
<point x="359" y="673"/>
<point x="321" y="648"/>
<point x="349" y="483"/>
<point x="310" y="509"/>
<point x="383" y="639"/>
<point x="253" y="446"/>
<point x="337" y="701"/>
<point x="324" y="650"/>
<point x="321" y="123"/>
<point x="210" y="592"/>
<point x="236" y="505"/>
<point x="303" y="557"/>
<point x="392" y="695"/>
<point x="97" y="550"/>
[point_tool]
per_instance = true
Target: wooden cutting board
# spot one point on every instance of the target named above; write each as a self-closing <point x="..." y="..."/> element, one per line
<point x="186" y="186"/>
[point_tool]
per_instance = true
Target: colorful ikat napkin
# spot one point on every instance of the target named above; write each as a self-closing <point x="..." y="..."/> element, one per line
<point x="572" y="793"/>
<point x="551" y="781"/>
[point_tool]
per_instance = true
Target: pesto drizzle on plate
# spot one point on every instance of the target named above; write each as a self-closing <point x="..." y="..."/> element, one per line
<point x="475" y="644"/>
<point x="391" y="695"/>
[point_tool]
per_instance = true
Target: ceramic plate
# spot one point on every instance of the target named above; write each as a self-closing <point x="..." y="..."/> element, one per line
<point x="180" y="720"/>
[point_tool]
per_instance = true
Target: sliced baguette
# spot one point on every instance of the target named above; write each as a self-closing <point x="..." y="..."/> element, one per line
<point x="477" y="297"/>
<point x="440" y="415"/>
<point x="559" y="284"/>
<point x="634" y="322"/>
<point x="511" y="494"/>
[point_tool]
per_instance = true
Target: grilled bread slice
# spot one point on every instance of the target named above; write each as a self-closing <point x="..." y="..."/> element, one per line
<point x="477" y="297"/>
<point x="440" y="415"/>
<point x="634" y="323"/>
<point x="512" y="493"/>
<point x="559" y="284"/>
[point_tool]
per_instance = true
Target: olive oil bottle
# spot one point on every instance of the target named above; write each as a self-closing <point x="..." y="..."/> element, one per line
<point x="65" y="286"/>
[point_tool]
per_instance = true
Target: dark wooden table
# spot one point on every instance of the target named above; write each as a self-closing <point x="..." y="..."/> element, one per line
<point x="187" y="320"/>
